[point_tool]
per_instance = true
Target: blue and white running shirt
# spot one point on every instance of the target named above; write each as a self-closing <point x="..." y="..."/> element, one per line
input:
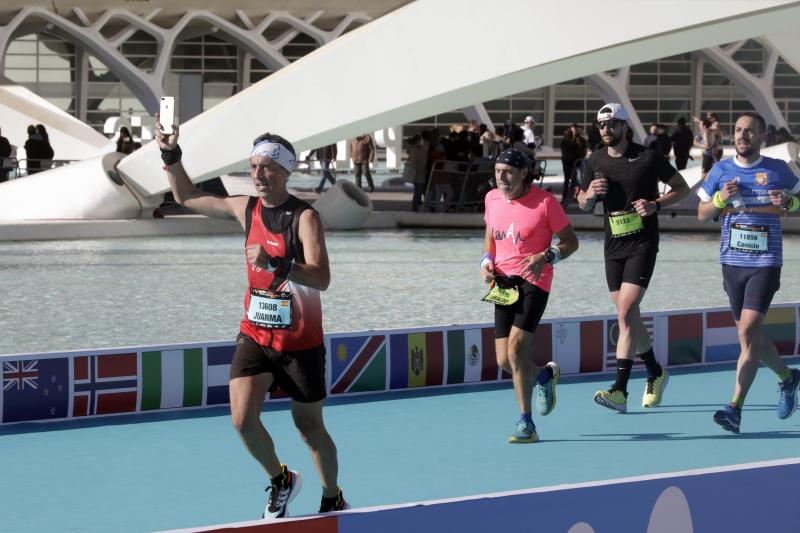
<point x="751" y="239"/>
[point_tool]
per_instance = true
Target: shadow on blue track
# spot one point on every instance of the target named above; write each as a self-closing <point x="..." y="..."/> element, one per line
<point x="623" y="437"/>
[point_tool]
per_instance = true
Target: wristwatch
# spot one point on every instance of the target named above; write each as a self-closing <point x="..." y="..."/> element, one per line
<point x="274" y="263"/>
<point x="658" y="206"/>
<point x="549" y="255"/>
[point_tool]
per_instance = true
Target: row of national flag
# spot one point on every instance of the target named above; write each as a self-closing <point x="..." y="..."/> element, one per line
<point x="53" y="387"/>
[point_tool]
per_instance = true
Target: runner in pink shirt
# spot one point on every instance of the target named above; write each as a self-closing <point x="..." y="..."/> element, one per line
<point x="518" y="263"/>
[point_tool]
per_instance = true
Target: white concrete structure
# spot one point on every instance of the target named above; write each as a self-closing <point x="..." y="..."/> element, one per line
<point x="19" y="107"/>
<point x="295" y="103"/>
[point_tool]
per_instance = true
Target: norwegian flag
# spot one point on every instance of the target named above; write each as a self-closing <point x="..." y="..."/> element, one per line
<point x="104" y="384"/>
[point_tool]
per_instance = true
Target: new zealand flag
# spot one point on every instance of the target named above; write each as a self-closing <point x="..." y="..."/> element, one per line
<point x="35" y="389"/>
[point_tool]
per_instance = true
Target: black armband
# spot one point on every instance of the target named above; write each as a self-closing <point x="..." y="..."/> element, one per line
<point x="170" y="157"/>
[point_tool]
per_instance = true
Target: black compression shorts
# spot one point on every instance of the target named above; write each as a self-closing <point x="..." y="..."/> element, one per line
<point x="750" y="288"/>
<point x="300" y="374"/>
<point x="525" y="313"/>
<point x="636" y="269"/>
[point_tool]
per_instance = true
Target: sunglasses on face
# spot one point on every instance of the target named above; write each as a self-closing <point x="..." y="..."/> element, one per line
<point x="610" y="124"/>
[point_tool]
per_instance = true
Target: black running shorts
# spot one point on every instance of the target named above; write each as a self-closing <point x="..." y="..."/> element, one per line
<point x="750" y="288"/>
<point x="636" y="269"/>
<point x="299" y="374"/>
<point x="525" y="313"/>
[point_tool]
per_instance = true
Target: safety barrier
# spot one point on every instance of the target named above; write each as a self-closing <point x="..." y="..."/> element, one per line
<point x="693" y="500"/>
<point x="76" y="384"/>
<point x="458" y="186"/>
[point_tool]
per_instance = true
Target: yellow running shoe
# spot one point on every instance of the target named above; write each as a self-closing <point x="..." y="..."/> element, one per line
<point x="654" y="390"/>
<point x="613" y="399"/>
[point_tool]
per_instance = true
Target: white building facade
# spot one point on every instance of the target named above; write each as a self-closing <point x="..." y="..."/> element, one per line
<point x="117" y="62"/>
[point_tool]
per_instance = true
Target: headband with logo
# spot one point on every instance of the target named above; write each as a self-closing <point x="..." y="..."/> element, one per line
<point x="276" y="152"/>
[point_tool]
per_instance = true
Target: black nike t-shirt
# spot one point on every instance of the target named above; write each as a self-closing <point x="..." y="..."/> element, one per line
<point x="631" y="177"/>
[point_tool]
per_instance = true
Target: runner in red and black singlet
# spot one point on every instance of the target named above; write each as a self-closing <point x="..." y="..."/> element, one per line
<point x="280" y="343"/>
<point x="276" y="230"/>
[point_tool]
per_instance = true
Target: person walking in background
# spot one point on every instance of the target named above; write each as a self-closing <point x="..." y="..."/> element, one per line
<point x="625" y="177"/>
<point x="362" y="152"/>
<point x="517" y="263"/>
<point x="5" y="154"/>
<point x="326" y="155"/>
<point x="414" y="170"/>
<point x="682" y="141"/>
<point x="125" y="141"/>
<point x="759" y="191"/>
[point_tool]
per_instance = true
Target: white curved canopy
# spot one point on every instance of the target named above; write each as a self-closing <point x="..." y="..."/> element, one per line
<point x="397" y="69"/>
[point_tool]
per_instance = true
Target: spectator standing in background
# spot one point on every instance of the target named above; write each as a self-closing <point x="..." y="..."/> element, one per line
<point x="682" y="141"/>
<point x="531" y="140"/>
<point x="47" y="152"/>
<point x="573" y="149"/>
<point x="5" y="153"/>
<point x="35" y="151"/>
<point x="124" y="141"/>
<point x="414" y="171"/>
<point x="362" y="152"/>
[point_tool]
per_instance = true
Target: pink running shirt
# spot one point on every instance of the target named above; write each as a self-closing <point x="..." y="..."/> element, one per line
<point x="522" y="227"/>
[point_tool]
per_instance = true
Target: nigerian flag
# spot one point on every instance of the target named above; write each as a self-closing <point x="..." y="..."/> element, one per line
<point x="172" y="378"/>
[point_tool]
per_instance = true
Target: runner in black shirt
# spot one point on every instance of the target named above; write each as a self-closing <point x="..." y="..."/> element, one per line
<point x="624" y="176"/>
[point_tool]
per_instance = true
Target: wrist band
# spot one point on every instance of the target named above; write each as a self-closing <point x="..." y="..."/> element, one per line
<point x="794" y="204"/>
<point x="487" y="258"/>
<point x="170" y="157"/>
<point x="658" y="206"/>
<point x="280" y="266"/>
<point x="719" y="203"/>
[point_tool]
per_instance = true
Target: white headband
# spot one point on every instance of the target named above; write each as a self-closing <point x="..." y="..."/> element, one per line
<point x="276" y="152"/>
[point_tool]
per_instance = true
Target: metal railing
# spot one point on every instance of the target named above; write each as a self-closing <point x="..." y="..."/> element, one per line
<point x="456" y="186"/>
<point x="13" y="168"/>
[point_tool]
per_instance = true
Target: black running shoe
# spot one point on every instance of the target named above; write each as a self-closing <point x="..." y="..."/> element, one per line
<point x="281" y="493"/>
<point x="329" y="505"/>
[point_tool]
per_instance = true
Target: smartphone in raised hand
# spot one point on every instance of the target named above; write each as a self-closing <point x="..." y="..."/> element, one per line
<point x="166" y="114"/>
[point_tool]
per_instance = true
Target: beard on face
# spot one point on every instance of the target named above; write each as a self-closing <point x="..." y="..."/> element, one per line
<point x="615" y="139"/>
<point x="746" y="150"/>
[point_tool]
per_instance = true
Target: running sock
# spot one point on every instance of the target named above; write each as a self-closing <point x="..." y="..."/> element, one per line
<point x="736" y="406"/>
<point x="526" y="417"/>
<point x="281" y="479"/>
<point x="653" y="368"/>
<point x="545" y="375"/>
<point x="785" y="376"/>
<point x="737" y="402"/>
<point x="623" y="375"/>
<point x="330" y="502"/>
